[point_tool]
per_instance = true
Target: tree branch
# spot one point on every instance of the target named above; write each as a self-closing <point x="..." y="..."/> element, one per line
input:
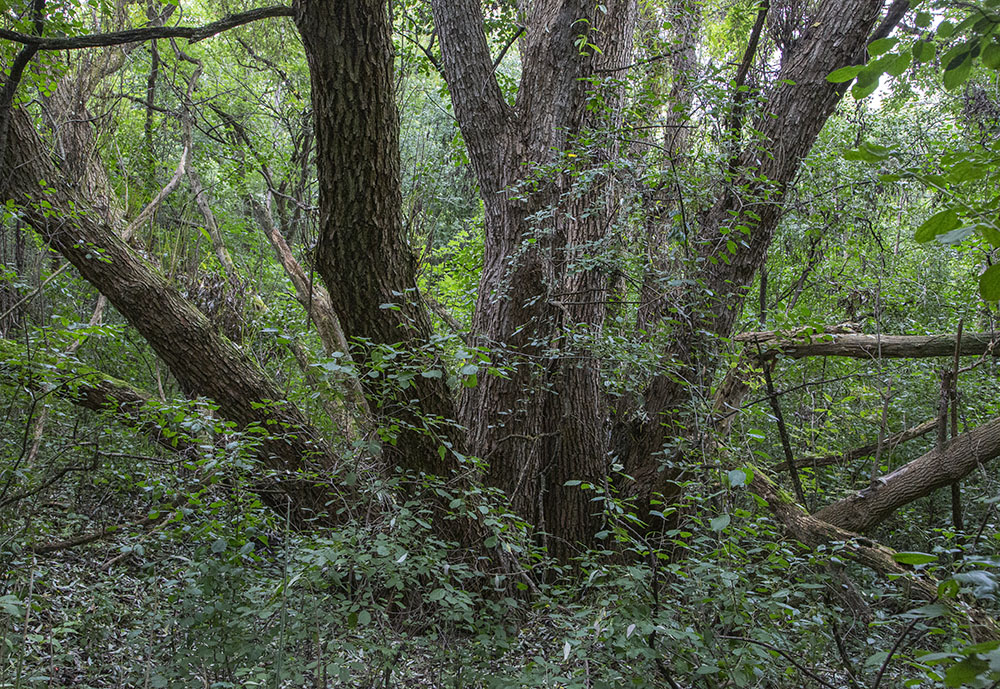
<point x="805" y="342"/>
<point x="889" y="444"/>
<point x="938" y="468"/>
<point x="193" y="34"/>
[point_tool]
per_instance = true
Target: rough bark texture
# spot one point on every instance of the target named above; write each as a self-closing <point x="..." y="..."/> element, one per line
<point x="361" y="254"/>
<point x="863" y="346"/>
<point x="202" y="361"/>
<point x="922" y="476"/>
<point x="813" y="531"/>
<point x="538" y="309"/>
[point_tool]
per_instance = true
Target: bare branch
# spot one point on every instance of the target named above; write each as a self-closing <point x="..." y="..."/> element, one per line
<point x="193" y="34"/>
<point x="836" y="342"/>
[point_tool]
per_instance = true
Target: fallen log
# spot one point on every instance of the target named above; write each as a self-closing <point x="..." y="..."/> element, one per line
<point x="936" y="469"/>
<point x="834" y="342"/>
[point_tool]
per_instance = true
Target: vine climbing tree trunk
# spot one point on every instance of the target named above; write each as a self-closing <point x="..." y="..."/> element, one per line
<point x="548" y="210"/>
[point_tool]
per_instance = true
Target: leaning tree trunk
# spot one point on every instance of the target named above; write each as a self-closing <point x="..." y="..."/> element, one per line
<point x="732" y="242"/>
<point x="203" y="362"/>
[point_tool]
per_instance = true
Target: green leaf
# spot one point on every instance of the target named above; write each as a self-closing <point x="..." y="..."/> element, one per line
<point x="991" y="55"/>
<point x="844" y="74"/>
<point x="956" y="236"/>
<point x="720" y="522"/>
<point x="437" y="594"/>
<point x="945" y="29"/>
<point x="982" y="647"/>
<point x="364" y="618"/>
<point x="965" y="672"/>
<point x="990" y="234"/>
<point x="927" y="612"/>
<point x="924" y="51"/>
<point x="953" y="78"/>
<point x="923" y="19"/>
<point x="914" y="558"/>
<point x="989" y="283"/>
<point x="11" y="605"/>
<point x="868" y="80"/>
<point x="869" y="153"/>
<point x="882" y="45"/>
<point x="949" y="588"/>
<point x="219" y="545"/>
<point x="737" y="477"/>
<point x="939" y="223"/>
<point x="900" y="64"/>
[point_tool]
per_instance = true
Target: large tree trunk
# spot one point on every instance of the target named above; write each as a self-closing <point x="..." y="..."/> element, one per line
<point x="361" y="254"/>
<point x="542" y="424"/>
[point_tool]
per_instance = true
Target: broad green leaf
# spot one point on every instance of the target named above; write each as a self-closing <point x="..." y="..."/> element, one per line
<point x="900" y="64"/>
<point x="839" y="76"/>
<point x="923" y="19"/>
<point x="737" y="477"/>
<point x="949" y="588"/>
<point x="882" y="45"/>
<point x="923" y="51"/>
<point x="956" y="236"/>
<point x="935" y="658"/>
<point x="965" y="171"/>
<point x="983" y="647"/>
<point x="927" y="612"/>
<point x="965" y="672"/>
<point x="720" y="522"/>
<point x="953" y="78"/>
<point x="914" y="558"/>
<point x="861" y="91"/>
<point x="991" y="55"/>
<point x="989" y="283"/>
<point x="869" y="153"/>
<point x="945" y="29"/>
<point x="11" y="605"/>
<point x="956" y="57"/>
<point x="939" y="223"/>
<point x="990" y="234"/>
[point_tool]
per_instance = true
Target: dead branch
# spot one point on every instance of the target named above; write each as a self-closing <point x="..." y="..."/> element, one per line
<point x="835" y="342"/>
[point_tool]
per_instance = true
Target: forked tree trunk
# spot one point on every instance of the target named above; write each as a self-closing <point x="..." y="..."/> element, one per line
<point x="547" y="211"/>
